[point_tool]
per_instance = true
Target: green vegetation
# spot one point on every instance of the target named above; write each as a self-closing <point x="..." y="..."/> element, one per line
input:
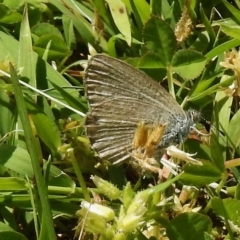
<point x="191" y="47"/>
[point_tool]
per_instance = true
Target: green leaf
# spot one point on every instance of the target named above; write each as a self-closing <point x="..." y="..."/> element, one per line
<point x="8" y="16"/>
<point x="204" y="88"/>
<point x="61" y="207"/>
<point x="159" y="38"/>
<point x="166" y="10"/>
<point x="73" y="10"/>
<point x="106" y="16"/>
<point x="26" y="61"/>
<point x="188" y="64"/>
<point x="46" y="128"/>
<point x="233" y="32"/>
<point x="58" y="48"/>
<point x="8" y="216"/>
<point x="227" y="208"/>
<point x="69" y="32"/>
<point x="17" y="159"/>
<point x="8" y="115"/>
<point x="199" y="176"/>
<point x="209" y="27"/>
<point x="42" y="29"/>
<point x="12" y="184"/>
<point x="141" y="11"/>
<point x="234" y="129"/>
<point x="234" y="11"/>
<point x="218" y="151"/>
<point x="14" y="4"/>
<point x="223" y="104"/>
<point x="5" y="227"/>
<point x="120" y="17"/>
<point x="9" y="235"/>
<point x="152" y="64"/>
<point x="156" y="7"/>
<point x="10" y="47"/>
<point x="237" y="191"/>
<point x="162" y="186"/>
<point x="150" y="60"/>
<point x="43" y="206"/>
<point x="201" y="43"/>
<point x="220" y="49"/>
<point x="189" y="226"/>
<point x="202" y="150"/>
<point x="74" y="102"/>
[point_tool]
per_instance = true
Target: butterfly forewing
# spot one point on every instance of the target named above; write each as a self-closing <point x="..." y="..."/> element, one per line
<point x="120" y="97"/>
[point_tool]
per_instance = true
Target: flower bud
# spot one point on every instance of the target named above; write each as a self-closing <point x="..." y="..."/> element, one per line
<point x="106" y="188"/>
<point x="101" y="211"/>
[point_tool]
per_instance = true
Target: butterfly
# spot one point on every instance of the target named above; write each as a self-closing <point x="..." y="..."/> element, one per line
<point x="122" y="99"/>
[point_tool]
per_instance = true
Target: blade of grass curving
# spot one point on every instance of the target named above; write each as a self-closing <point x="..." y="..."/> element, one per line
<point x="162" y="186"/>
<point x="79" y="104"/>
<point x="204" y="89"/>
<point x="47" y="220"/>
<point x="209" y="28"/>
<point x="26" y="62"/>
<point x="222" y="48"/>
<point x="235" y="12"/>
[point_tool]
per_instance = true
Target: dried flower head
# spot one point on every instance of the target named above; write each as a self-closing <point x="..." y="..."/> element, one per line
<point x="232" y="61"/>
<point x="184" y="26"/>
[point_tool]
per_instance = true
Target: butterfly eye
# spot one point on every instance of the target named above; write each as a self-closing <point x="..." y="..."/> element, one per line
<point x="195" y="115"/>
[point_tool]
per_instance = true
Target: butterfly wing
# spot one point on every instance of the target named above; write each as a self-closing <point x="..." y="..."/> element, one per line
<point x="120" y="96"/>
